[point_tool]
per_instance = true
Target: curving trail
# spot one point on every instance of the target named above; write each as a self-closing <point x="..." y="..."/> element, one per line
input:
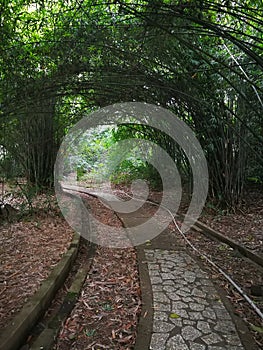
<point x="182" y="307"/>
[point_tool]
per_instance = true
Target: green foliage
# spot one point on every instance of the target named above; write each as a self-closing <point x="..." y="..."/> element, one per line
<point x="88" y="155"/>
<point x="203" y="60"/>
<point x="9" y="169"/>
<point x="255" y="180"/>
<point x="132" y="169"/>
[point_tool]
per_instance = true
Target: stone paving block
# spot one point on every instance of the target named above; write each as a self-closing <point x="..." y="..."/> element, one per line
<point x="152" y="266"/>
<point x="160" y="316"/>
<point x="168" y="282"/>
<point x="189" y="276"/>
<point x="169" y="288"/>
<point x="158" y="341"/>
<point x="157" y="288"/>
<point x="195" y="315"/>
<point x="186" y="289"/>
<point x="181" y="312"/>
<point x="189" y="322"/>
<point x="212" y="338"/>
<point x="161" y="297"/>
<point x="173" y="296"/>
<point x="198" y="293"/>
<point x="176" y="343"/>
<point x="182" y="293"/>
<point x="156" y="280"/>
<point x="178" y="305"/>
<point x="149" y="254"/>
<point x="162" y="327"/>
<point x="177" y="322"/>
<point x="204" y="327"/>
<point x="181" y="282"/>
<point x="154" y="273"/>
<point x="229" y="347"/>
<point x="196" y="307"/>
<point x="202" y="322"/>
<point x="168" y="264"/>
<point x="188" y="300"/>
<point x="196" y="346"/>
<point x="190" y="333"/>
<point x="209" y="313"/>
<point x="161" y="307"/>
<point x="165" y="269"/>
<point x="201" y="301"/>
<point x="167" y="276"/>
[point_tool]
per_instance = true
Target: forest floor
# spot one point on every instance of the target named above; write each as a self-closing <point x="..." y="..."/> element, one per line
<point x="31" y="246"/>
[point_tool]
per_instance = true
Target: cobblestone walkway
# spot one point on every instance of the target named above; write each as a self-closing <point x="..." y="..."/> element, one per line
<point x="188" y="312"/>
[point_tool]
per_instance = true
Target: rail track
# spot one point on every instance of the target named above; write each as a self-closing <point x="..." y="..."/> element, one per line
<point x="235" y="256"/>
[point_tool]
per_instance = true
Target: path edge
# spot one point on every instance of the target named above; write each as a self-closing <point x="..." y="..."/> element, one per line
<point x="14" y="334"/>
<point x="145" y="322"/>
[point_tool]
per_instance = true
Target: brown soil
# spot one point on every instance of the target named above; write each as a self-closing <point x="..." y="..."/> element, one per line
<point x="29" y="250"/>
<point x="106" y="314"/>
